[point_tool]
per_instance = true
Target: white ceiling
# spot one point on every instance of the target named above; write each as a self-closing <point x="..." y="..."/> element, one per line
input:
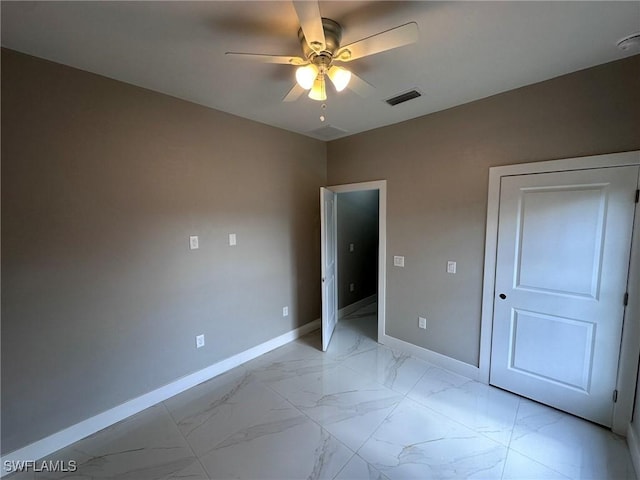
<point x="466" y="51"/>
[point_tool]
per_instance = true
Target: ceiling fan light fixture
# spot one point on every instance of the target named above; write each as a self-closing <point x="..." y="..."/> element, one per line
<point x="318" y="91"/>
<point x="340" y="77"/>
<point x="306" y="76"/>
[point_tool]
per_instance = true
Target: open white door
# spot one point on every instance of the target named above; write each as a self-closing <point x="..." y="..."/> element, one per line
<point x="562" y="262"/>
<point x="328" y="247"/>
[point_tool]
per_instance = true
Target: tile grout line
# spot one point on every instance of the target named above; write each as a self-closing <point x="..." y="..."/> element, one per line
<point x="266" y="385"/>
<point x="513" y="426"/>
<point x="515" y="421"/>
<point x="185" y="440"/>
<point x="404" y="397"/>
<point x="340" y="362"/>
<point x="482" y="434"/>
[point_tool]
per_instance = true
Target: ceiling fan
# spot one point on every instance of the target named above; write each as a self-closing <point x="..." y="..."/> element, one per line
<point x="320" y="41"/>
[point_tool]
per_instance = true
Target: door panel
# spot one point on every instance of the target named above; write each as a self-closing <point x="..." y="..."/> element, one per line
<point x="571" y="267"/>
<point x="328" y="227"/>
<point x="563" y="251"/>
<point x="571" y="337"/>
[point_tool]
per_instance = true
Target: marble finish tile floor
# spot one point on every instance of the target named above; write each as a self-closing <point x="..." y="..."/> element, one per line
<point x="358" y="411"/>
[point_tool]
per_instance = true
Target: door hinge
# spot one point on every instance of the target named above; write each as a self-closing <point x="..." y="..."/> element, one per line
<point x="637" y="195"/>
<point x="615" y="396"/>
<point x="626" y="299"/>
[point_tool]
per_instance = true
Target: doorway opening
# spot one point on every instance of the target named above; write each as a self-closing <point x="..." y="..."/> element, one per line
<point x="357" y="254"/>
<point x="358" y="244"/>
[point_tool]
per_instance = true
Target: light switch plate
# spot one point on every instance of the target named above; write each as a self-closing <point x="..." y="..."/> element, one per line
<point x="199" y="341"/>
<point x="451" y="267"/>
<point x="285" y="311"/>
<point x="193" y="242"/>
<point x="351" y="247"/>
<point x="422" y="322"/>
<point x="398" y="261"/>
<point x="232" y="239"/>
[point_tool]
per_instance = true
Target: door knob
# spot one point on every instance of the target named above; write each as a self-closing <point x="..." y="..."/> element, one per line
<point x="502" y="296"/>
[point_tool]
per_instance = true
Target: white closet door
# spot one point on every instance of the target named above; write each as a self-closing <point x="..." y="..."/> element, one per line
<point x="561" y="273"/>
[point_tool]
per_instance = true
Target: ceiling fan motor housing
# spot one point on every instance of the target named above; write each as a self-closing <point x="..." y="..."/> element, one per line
<point x="332" y="38"/>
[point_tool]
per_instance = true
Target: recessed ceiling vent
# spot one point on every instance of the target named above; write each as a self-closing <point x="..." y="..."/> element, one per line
<point x="328" y="132"/>
<point x="403" y="97"/>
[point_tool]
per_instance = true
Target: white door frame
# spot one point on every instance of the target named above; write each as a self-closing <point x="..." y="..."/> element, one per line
<point x="630" y="346"/>
<point x="381" y="186"/>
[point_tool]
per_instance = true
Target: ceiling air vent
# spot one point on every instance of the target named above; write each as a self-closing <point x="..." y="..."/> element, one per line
<point x="328" y="132"/>
<point x="403" y="97"/>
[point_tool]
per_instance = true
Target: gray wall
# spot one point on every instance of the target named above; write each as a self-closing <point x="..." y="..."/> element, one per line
<point x="102" y="184"/>
<point x="357" y="224"/>
<point x="437" y="168"/>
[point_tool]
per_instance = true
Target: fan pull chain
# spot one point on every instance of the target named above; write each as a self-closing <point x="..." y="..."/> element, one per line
<point x="323" y="107"/>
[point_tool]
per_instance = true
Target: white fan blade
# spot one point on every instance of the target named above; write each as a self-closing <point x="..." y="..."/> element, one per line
<point x="311" y="23"/>
<point x="295" y="93"/>
<point x="258" y="57"/>
<point x="361" y="87"/>
<point x="380" y="42"/>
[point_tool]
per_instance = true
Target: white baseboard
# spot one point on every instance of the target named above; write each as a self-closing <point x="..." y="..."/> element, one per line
<point x="634" y="448"/>
<point x="438" y="359"/>
<point x="349" y="309"/>
<point x="72" y="434"/>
